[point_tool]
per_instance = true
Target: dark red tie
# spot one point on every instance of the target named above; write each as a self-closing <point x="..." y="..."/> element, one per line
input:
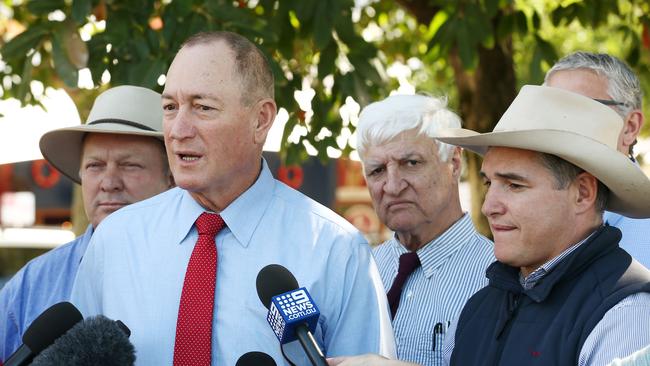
<point x="408" y="262"/>
<point x="193" y="346"/>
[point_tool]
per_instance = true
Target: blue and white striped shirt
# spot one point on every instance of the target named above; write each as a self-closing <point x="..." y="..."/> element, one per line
<point x="623" y="329"/>
<point x="453" y="269"/>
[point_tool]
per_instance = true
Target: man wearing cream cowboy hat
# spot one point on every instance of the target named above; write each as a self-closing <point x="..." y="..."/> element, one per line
<point x="562" y="291"/>
<point x="118" y="157"/>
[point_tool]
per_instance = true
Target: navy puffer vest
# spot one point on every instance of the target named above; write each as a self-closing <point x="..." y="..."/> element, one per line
<point x="503" y="324"/>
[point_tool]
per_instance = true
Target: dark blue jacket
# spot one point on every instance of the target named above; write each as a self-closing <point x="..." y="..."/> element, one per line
<point x="503" y="324"/>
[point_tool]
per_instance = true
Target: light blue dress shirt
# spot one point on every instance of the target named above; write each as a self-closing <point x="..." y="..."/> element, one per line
<point x="135" y="267"/>
<point x="41" y="283"/>
<point x="453" y="269"/>
<point x="638" y="358"/>
<point x="636" y="235"/>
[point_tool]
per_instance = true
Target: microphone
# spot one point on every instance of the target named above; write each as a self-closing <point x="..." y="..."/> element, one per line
<point x="43" y="331"/>
<point x="95" y="341"/>
<point x="292" y="312"/>
<point x="255" y="359"/>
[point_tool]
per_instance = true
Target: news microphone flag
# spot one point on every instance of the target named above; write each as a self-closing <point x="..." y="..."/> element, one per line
<point x="290" y="310"/>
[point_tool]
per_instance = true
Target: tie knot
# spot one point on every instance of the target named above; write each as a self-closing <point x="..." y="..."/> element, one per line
<point x="408" y="262"/>
<point x="209" y="224"/>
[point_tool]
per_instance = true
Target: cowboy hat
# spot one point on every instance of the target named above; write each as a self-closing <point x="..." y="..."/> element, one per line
<point x="573" y="127"/>
<point x="126" y="109"/>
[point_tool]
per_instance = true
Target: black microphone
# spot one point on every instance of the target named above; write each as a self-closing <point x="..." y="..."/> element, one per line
<point x="43" y="331"/>
<point x="292" y="312"/>
<point x="95" y="341"/>
<point x="255" y="359"/>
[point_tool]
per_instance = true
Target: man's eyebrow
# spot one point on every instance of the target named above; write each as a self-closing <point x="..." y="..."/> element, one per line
<point x="507" y="176"/>
<point x="194" y="96"/>
<point x="410" y="155"/>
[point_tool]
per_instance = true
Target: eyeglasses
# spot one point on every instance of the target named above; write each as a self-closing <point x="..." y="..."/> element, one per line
<point x="611" y="102"/>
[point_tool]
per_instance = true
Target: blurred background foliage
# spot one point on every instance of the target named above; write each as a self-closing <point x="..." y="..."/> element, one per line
<point x="341" y="53"/>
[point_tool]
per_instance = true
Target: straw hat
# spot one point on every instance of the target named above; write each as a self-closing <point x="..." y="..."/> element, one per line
<point x="126" y="109"/>
<point x="574" y="128"/>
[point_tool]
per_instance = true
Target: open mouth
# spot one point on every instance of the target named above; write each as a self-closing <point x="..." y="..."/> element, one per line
<point x="189" y="158"/>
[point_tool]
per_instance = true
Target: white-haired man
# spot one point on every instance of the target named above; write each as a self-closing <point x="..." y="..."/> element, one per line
<point x="562" y="291"/>
<point x="436" y="260"/>
<point x="118" y="157"/>
<point x="610" y="81"/>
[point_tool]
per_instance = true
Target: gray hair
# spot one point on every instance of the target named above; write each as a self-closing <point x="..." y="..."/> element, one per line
<point x="622" y="83"/>
<point x="565" y="173"/>
<point x="251" y="64"/>
<point x="382" y="121"/>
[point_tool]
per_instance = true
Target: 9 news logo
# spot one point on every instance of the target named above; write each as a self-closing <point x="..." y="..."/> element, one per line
<point x="295" y="304"/>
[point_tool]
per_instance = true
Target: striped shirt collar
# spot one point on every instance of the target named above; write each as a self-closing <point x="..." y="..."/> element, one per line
<point x="531" y="280"/>
<point x="439" y="250"/>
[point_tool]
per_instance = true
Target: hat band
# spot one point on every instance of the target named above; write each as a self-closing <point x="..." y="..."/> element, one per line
<point x="122" y="122"/>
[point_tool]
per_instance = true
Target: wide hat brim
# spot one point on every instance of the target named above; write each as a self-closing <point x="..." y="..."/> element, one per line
<point x="574" y="128"/>
<point x="127" y="110"/>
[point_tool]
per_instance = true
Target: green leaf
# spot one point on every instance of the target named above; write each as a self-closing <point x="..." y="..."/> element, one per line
<point x="42" y="7"/>
<point x="22" y="43"/>
<point x="491" y="7"/>
<point x="522" y="22"/>
<point x="151" y="71"/>
<point x="25" y="79"/>
<point x="536" y="21"/>
<point x="546" y="50"/>
<point x="66" y="71"/>
<point x="466" y="49"/>
<point x="141" y="47"/>
<point x="305" y="10"/>
<point x="80" y="10"/>
<point x="505" y="26"/>
<point x="327" y="60"/>
<point x="323" y="24"/>
<point x="558" y="15"/>
<point x="535" y="70"/>
<point x="179" y="8"/>
<point x="444" y="37"/>
<point x="634" y="56"/>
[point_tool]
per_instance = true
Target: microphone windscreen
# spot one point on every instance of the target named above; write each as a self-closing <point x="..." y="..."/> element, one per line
<point x="50" y="325"/>
<point x="273" y="280"/>
<point x="255" y="359"/>
<point x="96" y="341"/>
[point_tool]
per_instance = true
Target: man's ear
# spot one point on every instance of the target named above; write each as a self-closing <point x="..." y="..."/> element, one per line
<point x="586" y="192"/>
<point x="266" y="111"/>
<point x="456" y="161"/>
<point x="632" y="127"/>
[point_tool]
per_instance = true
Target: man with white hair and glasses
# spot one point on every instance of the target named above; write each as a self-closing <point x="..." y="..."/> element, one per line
<point x="610" y="81"/>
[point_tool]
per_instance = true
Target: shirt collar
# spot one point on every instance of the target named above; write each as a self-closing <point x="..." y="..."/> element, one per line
<point x="242" y="215"/>
<point x="531" y="280"/>
<point x="439" y="250"/>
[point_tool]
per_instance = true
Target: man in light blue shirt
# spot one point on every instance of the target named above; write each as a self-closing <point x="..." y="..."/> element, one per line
<point x="609" y="80"/>
<point x="118" y="158"/>
<point x="218" y="108"/>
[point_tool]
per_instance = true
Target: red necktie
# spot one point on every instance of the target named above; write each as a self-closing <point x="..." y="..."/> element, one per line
<point x="193" y="346"/>
<point x="408" y="262"/>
